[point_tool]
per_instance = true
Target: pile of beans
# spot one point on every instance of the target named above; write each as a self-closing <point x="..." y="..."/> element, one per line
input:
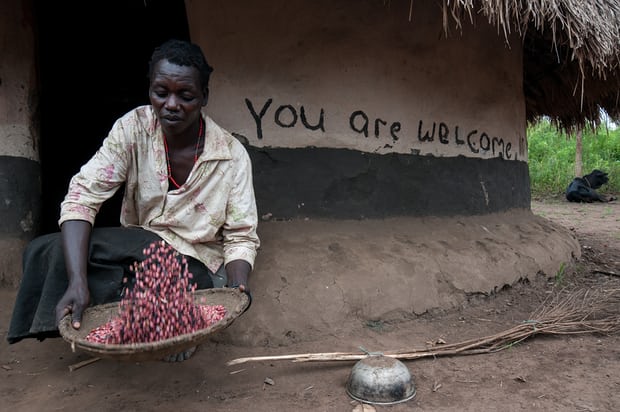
<point x="160" y="305"/>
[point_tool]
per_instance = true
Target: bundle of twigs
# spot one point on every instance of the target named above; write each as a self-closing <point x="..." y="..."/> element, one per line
<point x="566" y="313"/>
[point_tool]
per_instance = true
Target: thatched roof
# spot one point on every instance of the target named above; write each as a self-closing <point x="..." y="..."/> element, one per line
<point x="571" y="56"/>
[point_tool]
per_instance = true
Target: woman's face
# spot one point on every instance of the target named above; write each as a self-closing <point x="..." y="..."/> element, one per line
<point x="177" y="96"/>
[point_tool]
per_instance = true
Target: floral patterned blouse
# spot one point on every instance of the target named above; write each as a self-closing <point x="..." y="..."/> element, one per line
<point x="211" y="217"/>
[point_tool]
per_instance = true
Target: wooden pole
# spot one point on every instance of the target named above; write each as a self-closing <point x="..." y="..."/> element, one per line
<point x="578" y="151"/>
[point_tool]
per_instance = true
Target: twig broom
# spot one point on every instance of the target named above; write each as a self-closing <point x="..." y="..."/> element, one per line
<point x="565" y="313"/>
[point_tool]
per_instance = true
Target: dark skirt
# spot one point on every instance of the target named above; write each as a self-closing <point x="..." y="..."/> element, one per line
<point x="44" y="281"/>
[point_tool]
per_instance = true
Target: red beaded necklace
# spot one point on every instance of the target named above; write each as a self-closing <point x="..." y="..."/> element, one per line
<point x="174" y="182"/>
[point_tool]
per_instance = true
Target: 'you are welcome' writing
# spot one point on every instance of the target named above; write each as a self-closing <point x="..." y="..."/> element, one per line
<point x="287" y="116"/>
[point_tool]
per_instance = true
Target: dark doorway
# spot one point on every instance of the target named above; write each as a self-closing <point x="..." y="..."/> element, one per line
<point x="92" y="61"/>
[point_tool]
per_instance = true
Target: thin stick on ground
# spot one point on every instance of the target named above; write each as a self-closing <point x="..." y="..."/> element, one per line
<point x="581" y="311"/>
<point x="83" y="363"/>
<point x="606" y="272"/>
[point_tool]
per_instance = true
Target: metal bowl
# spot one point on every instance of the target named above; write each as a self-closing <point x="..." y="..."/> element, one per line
<point x="381" y="380"/>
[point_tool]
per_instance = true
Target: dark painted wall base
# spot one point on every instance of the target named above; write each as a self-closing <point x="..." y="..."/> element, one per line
<point x="341" y="183"/>
<point x="327" y="183"/>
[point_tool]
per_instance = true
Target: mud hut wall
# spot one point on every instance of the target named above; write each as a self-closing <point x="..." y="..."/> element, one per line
<point x="289" y="55"/>
<point x="354" y="110"/>
<point x="19" y="149"/>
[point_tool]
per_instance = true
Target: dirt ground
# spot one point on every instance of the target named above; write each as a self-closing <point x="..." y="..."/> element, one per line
<point x="550" y="373"/>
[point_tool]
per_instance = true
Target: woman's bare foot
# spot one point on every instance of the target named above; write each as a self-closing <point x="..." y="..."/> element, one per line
<point x="181" y="356"/>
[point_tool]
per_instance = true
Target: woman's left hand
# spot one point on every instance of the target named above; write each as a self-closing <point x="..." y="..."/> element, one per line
<point x="238" y="272"/>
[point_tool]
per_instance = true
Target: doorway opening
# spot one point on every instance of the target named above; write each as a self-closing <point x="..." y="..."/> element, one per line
<point x="92" y="62"/>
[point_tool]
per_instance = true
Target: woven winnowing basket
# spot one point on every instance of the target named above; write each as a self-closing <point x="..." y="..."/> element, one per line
<point x="232" y="299"/>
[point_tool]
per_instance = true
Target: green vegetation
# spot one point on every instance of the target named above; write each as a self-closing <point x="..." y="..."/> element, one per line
<point x="559" y="275"/>
<point x="552" y="158"/>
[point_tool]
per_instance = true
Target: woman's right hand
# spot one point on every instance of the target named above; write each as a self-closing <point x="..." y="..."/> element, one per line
<point x="73" y="302"/>
<point x="75" y="240"/>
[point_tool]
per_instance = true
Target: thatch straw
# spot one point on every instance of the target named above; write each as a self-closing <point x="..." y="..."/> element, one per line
<point x="571" y="53"/>
<point x="567" y="313"/>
